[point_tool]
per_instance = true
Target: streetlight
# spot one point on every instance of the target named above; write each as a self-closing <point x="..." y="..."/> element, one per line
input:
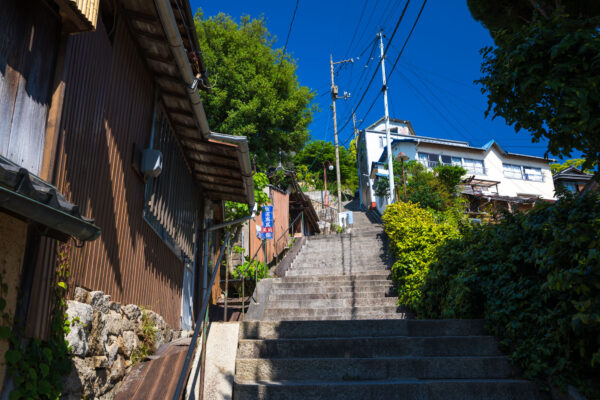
<point x="326" y="165"/>
<point x="402" y="157"/>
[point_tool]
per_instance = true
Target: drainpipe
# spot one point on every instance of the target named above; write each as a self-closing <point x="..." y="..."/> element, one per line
<point x="169" y="24"/>
<point x="167" y="19"/>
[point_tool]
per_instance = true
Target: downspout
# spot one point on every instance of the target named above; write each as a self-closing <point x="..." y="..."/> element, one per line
<point x="169" y="24"/>
<point x="167" y="19"/>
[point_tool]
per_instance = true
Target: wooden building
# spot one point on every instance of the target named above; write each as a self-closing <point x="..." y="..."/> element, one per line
<point x="91" y="94"/>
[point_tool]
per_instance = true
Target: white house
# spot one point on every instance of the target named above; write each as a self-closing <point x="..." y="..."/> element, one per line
<point x="491" y="171"/>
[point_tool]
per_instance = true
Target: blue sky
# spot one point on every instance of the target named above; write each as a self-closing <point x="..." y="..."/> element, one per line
<point x="432" y="85"/>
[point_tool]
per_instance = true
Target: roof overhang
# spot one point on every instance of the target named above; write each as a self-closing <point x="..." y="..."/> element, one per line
<point x="167" y="40"/>
<point x="36" y="201"/>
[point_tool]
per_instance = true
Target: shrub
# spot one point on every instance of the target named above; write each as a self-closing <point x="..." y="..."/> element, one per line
<point x="535" y="278"/>
<point x="414" y="237"/>
<point x="249" y="270"/>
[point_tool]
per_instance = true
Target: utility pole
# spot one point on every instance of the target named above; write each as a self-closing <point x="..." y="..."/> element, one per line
<point x="387" y="123"/>
<point x="334" y="97"/>
<point x="357" y="164"/>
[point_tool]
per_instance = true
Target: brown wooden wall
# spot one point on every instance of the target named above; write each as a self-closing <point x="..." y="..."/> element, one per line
<point x="107" y="109"/>
<point x="29" y="35"/>
<point x="281" y="222"/>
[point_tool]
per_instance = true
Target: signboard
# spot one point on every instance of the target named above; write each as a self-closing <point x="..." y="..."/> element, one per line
<point x="267" y="222"/>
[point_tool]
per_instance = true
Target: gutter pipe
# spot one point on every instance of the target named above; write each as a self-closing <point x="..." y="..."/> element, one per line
<point x="167" y="19"/>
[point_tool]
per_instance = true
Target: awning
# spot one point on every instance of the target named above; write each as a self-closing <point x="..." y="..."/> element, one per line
<point x="34" y="200"/>
<point x="220" y="163"/>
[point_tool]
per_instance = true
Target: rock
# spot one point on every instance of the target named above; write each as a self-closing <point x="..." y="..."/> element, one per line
<point x="81" y="316"/>
<point x="130" y="343"/>
<point x="131" y="311"/>
<point x="167" y="334"/>
<point x="101" y="384"/>
<point x="114" y="323"/>
<point x="79" y="383"/>
<point x="100" y="362"/>
<point x="98" y="335"/>
<point x="117" y="371"/>
<point x="114" y="306"/>
<point x="111" y="352"/>
<point x="176" y="335"/>
<point x="81" y="295"/>
<point x="99" y="301"/>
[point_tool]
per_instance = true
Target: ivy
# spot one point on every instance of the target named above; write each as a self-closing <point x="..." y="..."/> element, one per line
<point x="535" y="278"/>
<point x="38" y="367"/>
<point x="148" y="341"/>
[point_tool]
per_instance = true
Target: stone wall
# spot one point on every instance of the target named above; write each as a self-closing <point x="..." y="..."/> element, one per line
<point x="104" y="336"/>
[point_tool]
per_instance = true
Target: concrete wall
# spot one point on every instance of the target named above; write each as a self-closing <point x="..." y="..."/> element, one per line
<point x="13" y="238"/>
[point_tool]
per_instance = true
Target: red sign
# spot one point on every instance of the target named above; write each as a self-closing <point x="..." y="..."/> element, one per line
<point x="267" y="229"/>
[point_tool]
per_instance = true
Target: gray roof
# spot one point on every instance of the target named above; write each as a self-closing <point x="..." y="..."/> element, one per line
<point x="34" y="200"/>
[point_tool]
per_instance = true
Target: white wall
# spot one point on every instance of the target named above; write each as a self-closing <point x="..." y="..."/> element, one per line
<point x="494" y="169"/>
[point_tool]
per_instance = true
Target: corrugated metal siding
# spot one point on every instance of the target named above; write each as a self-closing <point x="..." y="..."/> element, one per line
<point x="173" y="199"/>
<point x="108" y="108"/>
<point x="28" y="43"/>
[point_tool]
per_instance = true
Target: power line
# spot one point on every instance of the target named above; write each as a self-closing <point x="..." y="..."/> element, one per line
<point x="378" y="64"/>
<point x="407" y="39"/>
<point x="362" y="14"/>
<point x="290" y="30"/>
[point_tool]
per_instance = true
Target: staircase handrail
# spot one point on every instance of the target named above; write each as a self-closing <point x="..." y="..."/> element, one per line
<point x="204" y="314"/>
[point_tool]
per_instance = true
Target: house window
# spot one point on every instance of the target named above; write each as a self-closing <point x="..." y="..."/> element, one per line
<point x="446" y="160"/>
<point x="171" y="198"/>
<point x="533" y="174"/>
<point x="570" y="186"/>
<point x="512" y="171"/>
<point x="457" y="161"/>
<point x="381" y="141"/>
<point x="474" y="166"/>
<point x="429" y="160"/>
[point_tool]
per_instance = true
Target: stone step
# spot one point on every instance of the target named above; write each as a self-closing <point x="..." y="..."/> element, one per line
<point x="366" y="347"/>
<point x="275" y="311"/>
<point x="370" y="369"/>
<point x="349" y="329"/>
<point x="385" y="288"/>
<point x="328" y="271"/>
<point x="360" y="317"/>
<point x="397" y="389"/>
<point x="330" y="286"/>
<point x="304" y="295"/>
<point x="351" y="303"/>
<point x="371" y="275"/>
<point x="348" y="259"/>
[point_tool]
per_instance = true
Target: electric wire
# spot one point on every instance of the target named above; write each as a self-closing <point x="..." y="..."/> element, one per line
<point x="379" y="63"/>
<point x="290" y="29"/>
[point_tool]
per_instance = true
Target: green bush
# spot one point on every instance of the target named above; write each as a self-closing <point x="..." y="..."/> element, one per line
<point x="249" y="270"/>
<point x="535" y="278"/>
<point x="414" y="234"/>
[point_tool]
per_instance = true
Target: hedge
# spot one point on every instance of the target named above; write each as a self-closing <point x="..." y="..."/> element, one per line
<point x="414" y="234"/>
<point x="535" y="278"/>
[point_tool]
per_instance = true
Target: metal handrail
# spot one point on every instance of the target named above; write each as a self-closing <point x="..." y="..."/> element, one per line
<point x="255" y="277"/>
<point x="204" y="314"/>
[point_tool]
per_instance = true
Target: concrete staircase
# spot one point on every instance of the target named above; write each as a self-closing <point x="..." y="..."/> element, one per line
<point x="331" y="329"/>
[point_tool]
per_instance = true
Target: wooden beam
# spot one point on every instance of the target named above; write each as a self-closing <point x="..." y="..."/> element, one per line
<point x="150" y="36"/>
<point x="179" y="111"/>
<point x="206" y="156"/>
<point x="212" y="166"/>
<point x="217" y="172"/>
<point x="221" y="180"/>
<point x="238" y="187"/>
<point x="227" y="197"/>
<point x="172" y="93"/>
<point x="142" y="17"/>
<point x="159" y="58"/>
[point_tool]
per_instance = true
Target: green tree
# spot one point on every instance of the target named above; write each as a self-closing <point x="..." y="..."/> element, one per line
<point x="574" y="162"/>
<point x="255" y="90"/>
<point x="316" y="153"/>
<point x="543" y="75"/>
